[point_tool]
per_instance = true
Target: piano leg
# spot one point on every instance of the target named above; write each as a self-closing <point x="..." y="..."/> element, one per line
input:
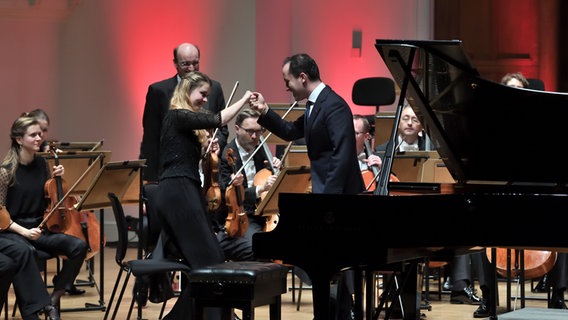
<point x="406" y="296"/>
<point x="493" y="283"/>
<point x="370" y="291"/>
<point x="358" y="306"/>
<point x="320" y="292"/>
<point x="411" y="293"/>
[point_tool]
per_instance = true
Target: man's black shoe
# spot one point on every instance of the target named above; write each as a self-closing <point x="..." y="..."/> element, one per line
<point x="466" y="296"/>
<point x="483" y="310"/>
<point x="74" y="291"/>
<point x="447" y="286"/>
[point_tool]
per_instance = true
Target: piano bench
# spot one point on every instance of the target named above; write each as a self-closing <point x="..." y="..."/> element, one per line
<point x="242" y="285"/>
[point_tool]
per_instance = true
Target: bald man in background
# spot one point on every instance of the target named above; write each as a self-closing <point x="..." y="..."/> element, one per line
<point x="186" y="59"/>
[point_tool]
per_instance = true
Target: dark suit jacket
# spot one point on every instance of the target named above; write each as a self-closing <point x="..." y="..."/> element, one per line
<point x="157" y="104"/>
<point x="330" y="140"/>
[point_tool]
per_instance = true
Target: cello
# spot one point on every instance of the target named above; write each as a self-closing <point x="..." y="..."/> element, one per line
<point x="537" y="263"/>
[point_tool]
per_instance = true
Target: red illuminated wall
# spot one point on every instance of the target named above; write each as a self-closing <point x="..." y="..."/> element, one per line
<point x="90" y="65"/>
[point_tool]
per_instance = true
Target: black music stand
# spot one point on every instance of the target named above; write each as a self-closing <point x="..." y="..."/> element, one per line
<point x="78" y="146"/>
<point x="290" y="180"/>
<point x="80" y="169"/>
<point x="76" y="164"/>
<point x="118" y="178"/>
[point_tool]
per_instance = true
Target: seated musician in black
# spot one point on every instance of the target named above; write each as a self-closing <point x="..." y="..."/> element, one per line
<point x="248" y="138"/>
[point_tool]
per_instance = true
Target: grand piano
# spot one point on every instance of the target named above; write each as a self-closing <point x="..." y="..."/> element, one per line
<point x="500" y="145"/>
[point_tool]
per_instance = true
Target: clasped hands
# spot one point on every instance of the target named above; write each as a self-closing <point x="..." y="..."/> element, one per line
<point x="256" y="102"/>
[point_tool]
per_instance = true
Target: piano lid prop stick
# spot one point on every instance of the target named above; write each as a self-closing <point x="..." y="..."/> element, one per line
<point x="376" y="176"/>
<point x="262" y="141"/>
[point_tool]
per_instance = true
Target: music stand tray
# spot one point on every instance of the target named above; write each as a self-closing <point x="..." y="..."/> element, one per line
<point x="78" y="146"/>
<point x="76" y="164"/>
<point x="115" y="177"/>
<point x="290" y="180"/>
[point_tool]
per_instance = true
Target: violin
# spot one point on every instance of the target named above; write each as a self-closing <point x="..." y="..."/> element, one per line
<point x="211" y="186"/>
<point x="260" y="178"/>
<point x="236" y="223"/>
<point x="537" y="263"/>
<point x="54" y="190"/>
<point x="210" y="166"/>
<point x="262" y="175"/>
<point x="83" y="225"/>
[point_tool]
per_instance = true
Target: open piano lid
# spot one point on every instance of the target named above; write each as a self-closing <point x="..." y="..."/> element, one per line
<point x="483" y="130"/>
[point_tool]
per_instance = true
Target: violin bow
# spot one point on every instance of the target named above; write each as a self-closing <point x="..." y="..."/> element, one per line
<point x="217" y="129"/>
<point x="262" y="141"/>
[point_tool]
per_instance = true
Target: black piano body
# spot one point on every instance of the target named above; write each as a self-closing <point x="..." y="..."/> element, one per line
<point x="498" y="143"/>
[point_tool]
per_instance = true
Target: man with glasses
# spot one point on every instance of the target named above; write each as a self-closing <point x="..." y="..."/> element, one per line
<point x="186" y="59"/>
<point x="410" y="133"/>
<point x="248" y="135"/>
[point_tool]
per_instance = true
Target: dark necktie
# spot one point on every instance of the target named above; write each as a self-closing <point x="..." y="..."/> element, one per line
<point x="308" y="107"/>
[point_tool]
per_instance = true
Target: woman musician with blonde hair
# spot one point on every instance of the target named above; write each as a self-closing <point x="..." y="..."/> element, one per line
<point x="23" y="175"/>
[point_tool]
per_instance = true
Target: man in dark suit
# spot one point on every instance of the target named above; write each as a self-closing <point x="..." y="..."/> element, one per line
<point x="327" y="128"/>
<point x="186" y="59"/>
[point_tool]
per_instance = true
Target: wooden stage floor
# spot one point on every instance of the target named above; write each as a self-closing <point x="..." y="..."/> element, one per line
<point x="440" y="309"/>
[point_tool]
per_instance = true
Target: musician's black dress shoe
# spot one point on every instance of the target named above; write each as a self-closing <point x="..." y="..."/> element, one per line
<point x="483" y="309"/>
<point x="465" y="296"/>
<point x="74" y="291"/>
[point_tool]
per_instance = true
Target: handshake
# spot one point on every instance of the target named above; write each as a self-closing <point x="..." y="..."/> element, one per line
<point x="257" y="103"/>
